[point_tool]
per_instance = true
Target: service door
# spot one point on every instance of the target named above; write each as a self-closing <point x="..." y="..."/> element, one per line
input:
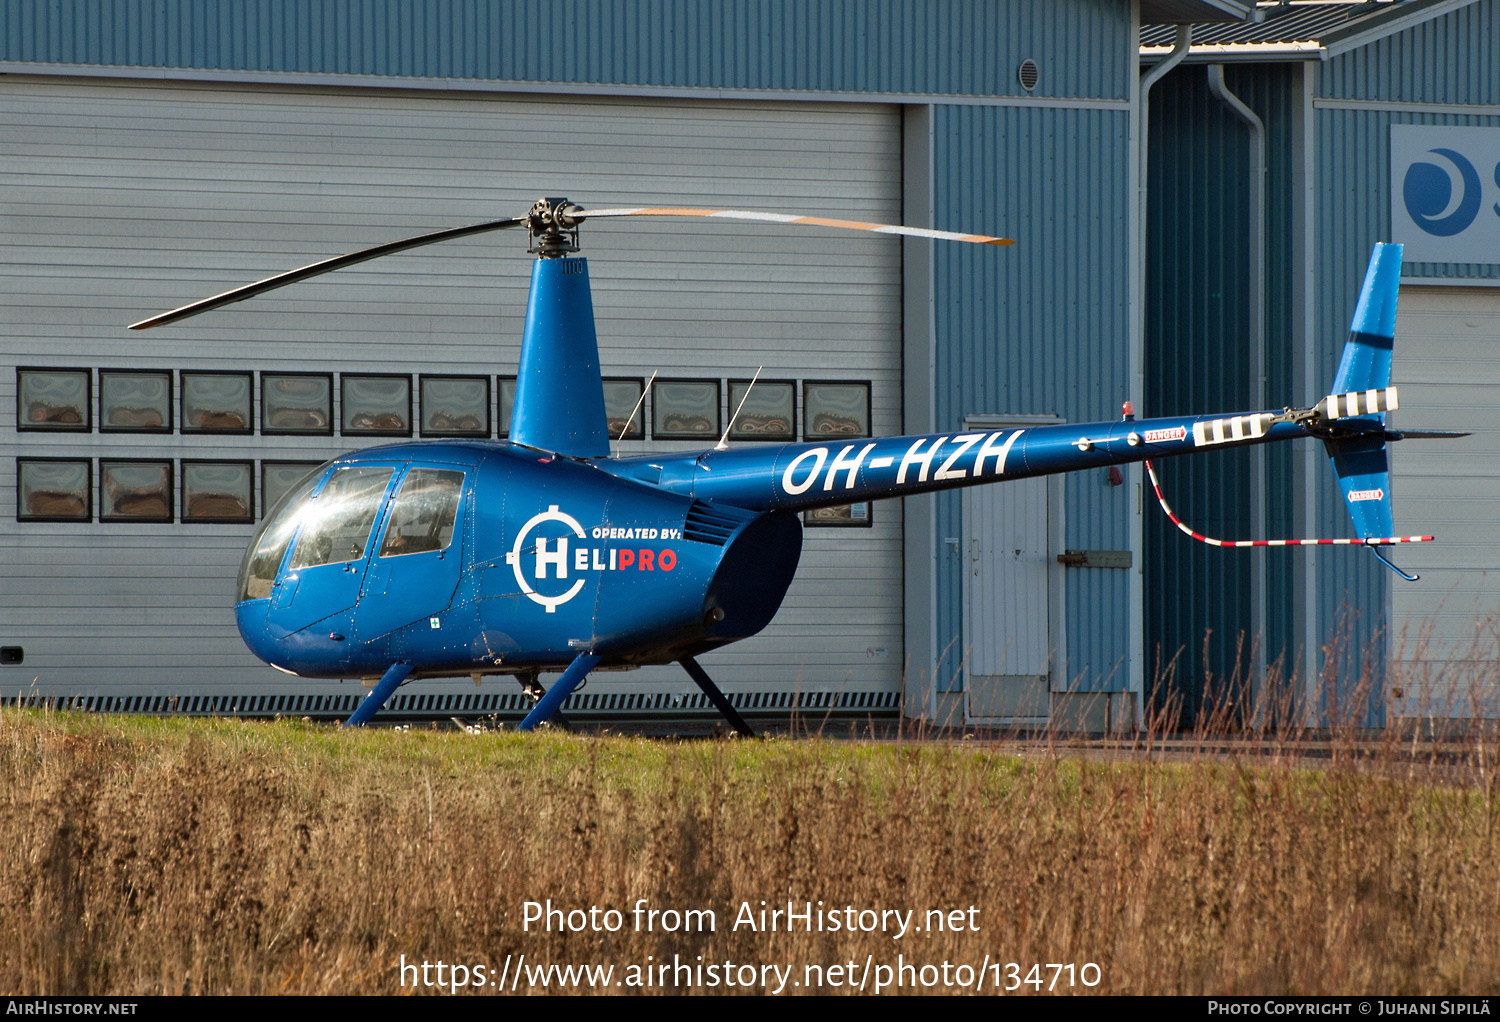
<point x="416" y="567"/>
<point x="1007" y="600"/>
<point x="328" y="559"/>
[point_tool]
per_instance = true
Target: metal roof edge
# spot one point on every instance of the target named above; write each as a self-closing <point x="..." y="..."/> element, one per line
<point x="323" y="79"/>
<point x="1389" y="22"/>
<point x="1229" y="10"/>
<point x="1243" y="53"/>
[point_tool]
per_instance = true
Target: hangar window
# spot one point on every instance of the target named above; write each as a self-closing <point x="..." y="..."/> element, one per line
<point x="769" y="412"/>
<point x="54" y="490"/>
<point x="296" y="403"/>
<point x="685" y="409"/>
<point x="844" y="515"/>
<point x="216" y="402"/>
<point x="132" y="401"/>
<point x="424" y="511"/>
<point x="135" y="490"/>
<point x="54" y="399"/>
<point x="835" y="408"/>
<point x="338" y="522"/>
<point x="377" y="405"/>
<point x="623" y="405"/>
<point x="278" y="477"/>
<point x="218" y="491"/>
<point x="507" y="403"/>
<point x="455" y="405"/>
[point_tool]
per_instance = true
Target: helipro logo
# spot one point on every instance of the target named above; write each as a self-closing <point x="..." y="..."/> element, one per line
<point x="560" y="561"/>
<point x="1445" y="193"/>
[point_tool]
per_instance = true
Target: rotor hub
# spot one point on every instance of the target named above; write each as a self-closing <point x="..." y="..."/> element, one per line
<point x="553" y="228"/>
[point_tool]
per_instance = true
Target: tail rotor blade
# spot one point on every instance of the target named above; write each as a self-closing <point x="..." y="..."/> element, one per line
<point x="784" y="218"/>
<point x="239" y="294"/>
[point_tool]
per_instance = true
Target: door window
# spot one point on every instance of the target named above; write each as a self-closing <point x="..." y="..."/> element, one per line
<point x="424" y="512"/>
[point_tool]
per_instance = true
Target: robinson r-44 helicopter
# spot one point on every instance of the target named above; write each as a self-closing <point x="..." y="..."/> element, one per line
<point x="544" y="553"/>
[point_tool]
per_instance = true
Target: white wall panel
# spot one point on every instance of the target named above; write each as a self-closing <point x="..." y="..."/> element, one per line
<point x="1446" y="628"/>
<point x="121" y="199"/>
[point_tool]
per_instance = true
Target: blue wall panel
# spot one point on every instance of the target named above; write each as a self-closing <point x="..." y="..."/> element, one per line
<point x="956" y="47"/>
<point x="1200" y="625"/>
<point x="1038" y="328"/>
<point x="1450" y="59"/>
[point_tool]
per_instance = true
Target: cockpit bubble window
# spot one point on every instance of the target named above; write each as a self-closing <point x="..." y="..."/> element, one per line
<point x="263" y="557"/>
<point x="337" y="524"/>
<point x="423" y="514"/>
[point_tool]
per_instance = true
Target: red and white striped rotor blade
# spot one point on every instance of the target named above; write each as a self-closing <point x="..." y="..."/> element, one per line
<point x="785" y="218"/>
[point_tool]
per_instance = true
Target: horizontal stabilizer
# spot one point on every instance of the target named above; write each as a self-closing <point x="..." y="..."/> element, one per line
<point x="1425" y="434"/>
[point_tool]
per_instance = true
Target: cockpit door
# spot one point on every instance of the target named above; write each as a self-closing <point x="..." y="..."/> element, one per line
<point x="418" y="562"/>
<point x="326" y="568"/>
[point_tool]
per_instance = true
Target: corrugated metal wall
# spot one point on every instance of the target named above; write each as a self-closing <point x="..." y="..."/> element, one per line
<point x="960" y="47"/>
<point x="1200" y="621"/>
<point x="122" y="199"/>
<point x="1038" y="328"/>
<point x="1451" y="59"/>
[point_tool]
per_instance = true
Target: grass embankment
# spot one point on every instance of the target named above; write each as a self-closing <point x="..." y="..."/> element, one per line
<point x="150" y="856"/>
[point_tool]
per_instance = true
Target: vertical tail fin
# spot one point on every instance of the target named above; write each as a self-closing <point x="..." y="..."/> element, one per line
<point x="1360" y="461"/>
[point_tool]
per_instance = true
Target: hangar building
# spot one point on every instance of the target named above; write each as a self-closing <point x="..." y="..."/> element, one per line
<point x="159" y="153"/>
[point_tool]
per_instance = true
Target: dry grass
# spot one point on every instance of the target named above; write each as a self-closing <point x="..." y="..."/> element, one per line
<point x="147" y="856"/>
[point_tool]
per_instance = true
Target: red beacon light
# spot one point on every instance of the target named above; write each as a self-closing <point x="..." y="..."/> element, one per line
<point x="1129" y="410"/>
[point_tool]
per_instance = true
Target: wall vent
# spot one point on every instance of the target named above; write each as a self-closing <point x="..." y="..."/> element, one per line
<point x="1028" y="74"/>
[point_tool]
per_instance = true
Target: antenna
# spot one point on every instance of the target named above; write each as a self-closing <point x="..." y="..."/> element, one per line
<point x="642" y="400"/>
<point x="723" y="444"/>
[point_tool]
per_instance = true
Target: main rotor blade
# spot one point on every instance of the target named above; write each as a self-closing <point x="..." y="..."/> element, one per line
<point x="239" y="294"/>
<point x="783" y="218"/>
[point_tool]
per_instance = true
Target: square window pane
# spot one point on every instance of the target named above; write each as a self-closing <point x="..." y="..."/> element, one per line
<point x="507" y="402"/>
<point x="685" y="409"/>
<point x="378" y="405"/>
<point x="277" y="477"/>
<point x="296" y="403"/>
<point x="836" y="410"/>
<point x="455" y="406"/>
<point x="216" y="402"/>
<point x="52" y="399"/>
<point x="135" y="402"/>
<point x="135" y="491"/>
<point x="49" y="489"/>
<point x="769" y="413"/>
<point x="217" y="491"/>
<point x="622" y="404"/>
<point x="856" y="515"/>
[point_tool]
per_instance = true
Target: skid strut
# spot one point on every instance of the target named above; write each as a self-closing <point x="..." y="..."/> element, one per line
<point x="718" y="698"/>
<point x="387" y="684"/>
<point x="547" y="707"/>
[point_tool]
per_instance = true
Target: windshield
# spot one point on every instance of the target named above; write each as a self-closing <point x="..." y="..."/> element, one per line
<point x="263" y="556"/>
<point x="337" y="524"/>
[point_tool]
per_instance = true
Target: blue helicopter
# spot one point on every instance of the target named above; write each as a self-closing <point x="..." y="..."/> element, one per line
<point x="544" y="553"/>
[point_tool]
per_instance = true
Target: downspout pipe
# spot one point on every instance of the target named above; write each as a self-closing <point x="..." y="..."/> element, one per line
<point x="1180" y="47"/>
<point x="1179" y="51"/>
<point x="1257" y="395"/>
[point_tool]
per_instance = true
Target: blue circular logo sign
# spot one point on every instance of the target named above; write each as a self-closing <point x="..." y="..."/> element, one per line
<point x="1428" y="192"/>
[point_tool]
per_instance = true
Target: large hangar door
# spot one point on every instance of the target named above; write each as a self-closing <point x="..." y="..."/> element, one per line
<point x="1444" y="628"/>
<point x="138" y="195"/>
